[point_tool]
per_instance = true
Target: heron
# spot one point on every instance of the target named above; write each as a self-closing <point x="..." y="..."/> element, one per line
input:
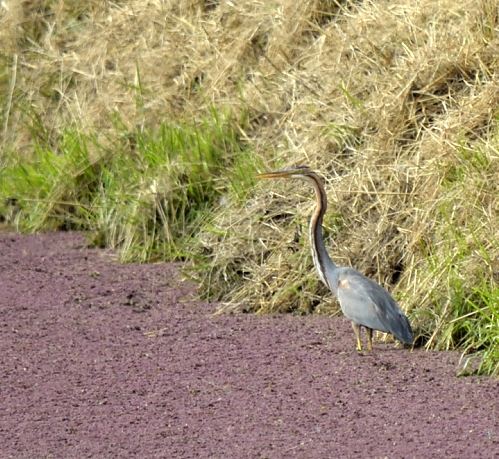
<point x="365" y="302"/>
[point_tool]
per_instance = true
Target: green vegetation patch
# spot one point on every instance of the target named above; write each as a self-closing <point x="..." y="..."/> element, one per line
<point x="145" y="193"/>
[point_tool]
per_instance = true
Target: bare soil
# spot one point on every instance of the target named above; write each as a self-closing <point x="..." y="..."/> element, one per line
<point x="102" y="360"/>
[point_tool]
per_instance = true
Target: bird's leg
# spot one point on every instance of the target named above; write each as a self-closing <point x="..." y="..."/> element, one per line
<point x="356" y="329"/>
<point x="369" y="332"/>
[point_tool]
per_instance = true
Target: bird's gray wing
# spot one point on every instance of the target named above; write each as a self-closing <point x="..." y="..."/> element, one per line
<point x="367" y="303"/>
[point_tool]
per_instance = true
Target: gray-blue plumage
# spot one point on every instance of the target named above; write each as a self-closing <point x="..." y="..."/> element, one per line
<point x="367" y="303"/>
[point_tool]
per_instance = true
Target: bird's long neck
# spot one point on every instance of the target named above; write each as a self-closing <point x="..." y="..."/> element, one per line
<point x="327" y="270"/>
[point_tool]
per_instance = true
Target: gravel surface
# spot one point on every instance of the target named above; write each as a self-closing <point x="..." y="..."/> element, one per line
<point x="102" y="360"/>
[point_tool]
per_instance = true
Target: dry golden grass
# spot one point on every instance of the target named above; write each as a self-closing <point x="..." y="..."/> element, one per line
<point x="395" y="103"/>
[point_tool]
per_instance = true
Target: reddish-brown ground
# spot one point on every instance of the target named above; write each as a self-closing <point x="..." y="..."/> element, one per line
<point x="102" y="360"/>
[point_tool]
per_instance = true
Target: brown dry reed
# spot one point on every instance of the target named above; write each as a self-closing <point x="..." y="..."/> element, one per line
<point x="393" y="102"/>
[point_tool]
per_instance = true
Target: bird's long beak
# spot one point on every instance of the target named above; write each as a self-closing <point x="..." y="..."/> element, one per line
<point x="277" y="174"/>
<point x="274" y="175"/>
